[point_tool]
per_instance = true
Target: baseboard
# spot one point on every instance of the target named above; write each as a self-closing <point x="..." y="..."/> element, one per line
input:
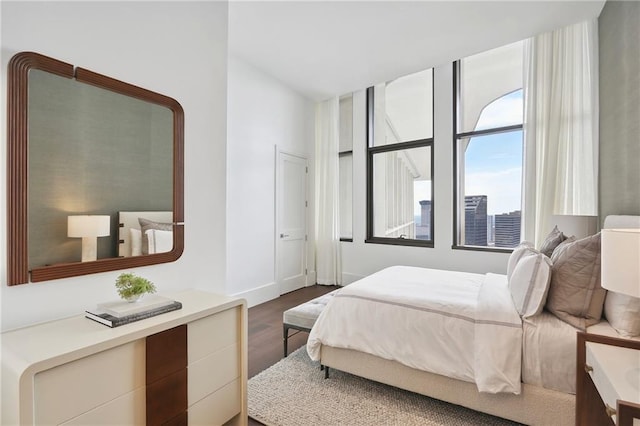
<point x="260" y="294"/>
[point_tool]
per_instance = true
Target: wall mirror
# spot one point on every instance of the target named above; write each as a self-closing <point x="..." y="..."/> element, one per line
<point x="95" y="172"/>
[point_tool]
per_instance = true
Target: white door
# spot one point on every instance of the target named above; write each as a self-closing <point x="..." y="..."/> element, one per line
<point x="291" y="221"/>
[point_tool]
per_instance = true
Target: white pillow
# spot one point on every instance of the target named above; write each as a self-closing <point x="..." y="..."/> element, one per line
<point x="516" y="254"/>
<point x="529" y="282"/>
<point x="159" y="241"/>
<point x="623" y="313"/>
<point x="135" y="243"/>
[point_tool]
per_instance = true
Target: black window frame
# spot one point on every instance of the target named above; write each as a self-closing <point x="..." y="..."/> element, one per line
<point x="456" y="138"/>
<point x="340" y="155"/>
<point x="371" y="150"/>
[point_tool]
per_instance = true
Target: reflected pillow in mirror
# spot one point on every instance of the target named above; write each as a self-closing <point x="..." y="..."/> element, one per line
<point x="159" y="241"/>
<point x="145" y="225"/>
<point x="135" y="236"/>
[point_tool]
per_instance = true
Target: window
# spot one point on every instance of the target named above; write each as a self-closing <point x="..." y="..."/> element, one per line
<point x="489" y="148"/>
<point x="346" y="167"/>
<point x="400" y="161"/>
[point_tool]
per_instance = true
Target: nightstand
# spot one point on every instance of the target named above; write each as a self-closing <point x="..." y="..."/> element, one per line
<point x="607" y="381"/>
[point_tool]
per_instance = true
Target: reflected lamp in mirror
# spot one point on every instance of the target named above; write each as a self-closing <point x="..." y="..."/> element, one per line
<point x="620" y="256"/>
<point x="89" y="228"/>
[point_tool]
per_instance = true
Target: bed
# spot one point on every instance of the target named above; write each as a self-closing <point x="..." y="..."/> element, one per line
<point x="144" y="232"/>
<point x="517" y="362"/>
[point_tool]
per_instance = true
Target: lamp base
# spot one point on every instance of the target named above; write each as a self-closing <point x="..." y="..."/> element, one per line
<point x="89" y="249"/>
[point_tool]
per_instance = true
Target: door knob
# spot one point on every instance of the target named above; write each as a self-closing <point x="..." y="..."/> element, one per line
<point x="284" y="235"/>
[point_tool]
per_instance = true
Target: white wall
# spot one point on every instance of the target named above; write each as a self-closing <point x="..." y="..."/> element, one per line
<point x="175" y="48"/>
<point x="360" y="259"/>
<point x="262" y="113"/>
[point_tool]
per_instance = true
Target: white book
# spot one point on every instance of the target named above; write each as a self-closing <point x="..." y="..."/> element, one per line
<point x="122" y="308"/>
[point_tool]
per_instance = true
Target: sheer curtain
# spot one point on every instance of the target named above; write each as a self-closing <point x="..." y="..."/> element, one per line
<point x="328" y="263"/>
<point x="560" y="127"/>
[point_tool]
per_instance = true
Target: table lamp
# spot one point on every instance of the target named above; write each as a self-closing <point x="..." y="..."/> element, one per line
<point x="620" y="257"/>
<point x="89" y="228"/>
<point x="578" y="226"/>
<point x="620" y="273"/>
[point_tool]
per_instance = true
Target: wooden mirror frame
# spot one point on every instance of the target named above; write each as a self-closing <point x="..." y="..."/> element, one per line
<point x="18" y="179"/>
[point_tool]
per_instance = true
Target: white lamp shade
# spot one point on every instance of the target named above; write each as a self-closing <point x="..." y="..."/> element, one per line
<point x="88" y="226"/>
<point x="620" y="258"/>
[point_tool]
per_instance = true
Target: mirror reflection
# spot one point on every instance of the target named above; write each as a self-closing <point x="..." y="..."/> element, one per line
<point x="95" y="172"/>
<point x="93" y="152"/>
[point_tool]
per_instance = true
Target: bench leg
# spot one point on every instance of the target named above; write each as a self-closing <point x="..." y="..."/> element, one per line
<point x="285" y="340"/>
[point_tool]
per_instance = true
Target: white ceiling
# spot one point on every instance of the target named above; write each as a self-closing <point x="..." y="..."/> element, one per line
<point x="326" y="48"/>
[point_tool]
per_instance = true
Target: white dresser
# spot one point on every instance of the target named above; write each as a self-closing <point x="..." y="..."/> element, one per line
<point x="183" y="367"/>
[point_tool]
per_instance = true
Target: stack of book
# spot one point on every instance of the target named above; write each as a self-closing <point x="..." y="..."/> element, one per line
<point x="114" y="314"/>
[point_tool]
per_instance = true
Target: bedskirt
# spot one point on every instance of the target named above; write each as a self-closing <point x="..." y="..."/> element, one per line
<point x="534" y="406"/>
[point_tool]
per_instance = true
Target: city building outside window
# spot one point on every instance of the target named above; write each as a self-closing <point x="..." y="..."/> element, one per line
<point x="488" y="148"/>
<point x="400" y="161"/>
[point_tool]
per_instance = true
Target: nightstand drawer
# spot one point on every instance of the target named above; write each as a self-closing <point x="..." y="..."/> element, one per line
<point x="607" y="380"/>
<point x="615" y="372"/>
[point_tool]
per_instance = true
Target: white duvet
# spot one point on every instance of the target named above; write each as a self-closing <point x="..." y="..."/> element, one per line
<point x="457" y="324"/>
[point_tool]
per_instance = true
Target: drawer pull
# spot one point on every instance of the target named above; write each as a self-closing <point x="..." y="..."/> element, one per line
<point x="587" y="368"/>
<point x="610" y="410"/>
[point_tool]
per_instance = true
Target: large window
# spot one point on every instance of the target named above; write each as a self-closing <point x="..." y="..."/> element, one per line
<point x="400" y="161"/>
<point x="346" y="167"/>
<point x="489" y="148"/>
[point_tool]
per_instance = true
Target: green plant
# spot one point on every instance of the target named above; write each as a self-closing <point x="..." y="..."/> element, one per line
<point x="130" y="285"/>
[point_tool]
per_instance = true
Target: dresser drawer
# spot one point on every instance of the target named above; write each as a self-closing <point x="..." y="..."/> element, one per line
<point x="210" y="334"/>
<point x="213" y="372"/>
<point x="125" y="410"/>
<point x="217" y="408"/>
<point x="72" y="389"/>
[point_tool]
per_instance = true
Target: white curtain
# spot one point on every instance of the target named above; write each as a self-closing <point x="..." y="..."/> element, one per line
<point x="560" y="127"/>
<point x="328" y="263"/>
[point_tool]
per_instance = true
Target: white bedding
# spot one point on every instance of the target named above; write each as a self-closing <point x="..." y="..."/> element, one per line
<point x="457" y="324"/>
<point x="549" y="353"/>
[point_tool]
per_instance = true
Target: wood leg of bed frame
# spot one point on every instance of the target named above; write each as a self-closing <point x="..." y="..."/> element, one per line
<point x="326" y="372"/>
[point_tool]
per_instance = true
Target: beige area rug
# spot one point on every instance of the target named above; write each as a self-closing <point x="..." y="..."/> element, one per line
<point x="293" y="392"/>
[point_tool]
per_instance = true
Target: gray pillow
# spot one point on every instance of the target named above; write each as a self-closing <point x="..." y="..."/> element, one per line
<point x="145" y="225"/>
<point x="562" y="244"/>
<point x="552" y="241"/>
<point x="575" y="295"/>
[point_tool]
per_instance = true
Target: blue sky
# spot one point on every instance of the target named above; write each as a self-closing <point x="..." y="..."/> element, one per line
<point x="493" y="164"/>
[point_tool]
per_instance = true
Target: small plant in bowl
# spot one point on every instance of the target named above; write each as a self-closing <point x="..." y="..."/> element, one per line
<point x="132" y="287"/>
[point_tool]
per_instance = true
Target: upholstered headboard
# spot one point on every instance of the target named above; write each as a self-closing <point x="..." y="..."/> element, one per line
<point x="621" y="221"/>
<point x="129" y="220"/>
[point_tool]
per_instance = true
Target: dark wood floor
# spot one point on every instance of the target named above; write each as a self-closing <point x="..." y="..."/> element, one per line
<point x="265" y="329"/>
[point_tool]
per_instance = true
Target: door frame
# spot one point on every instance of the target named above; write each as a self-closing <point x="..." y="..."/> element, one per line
<point x="276" y="239"/>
